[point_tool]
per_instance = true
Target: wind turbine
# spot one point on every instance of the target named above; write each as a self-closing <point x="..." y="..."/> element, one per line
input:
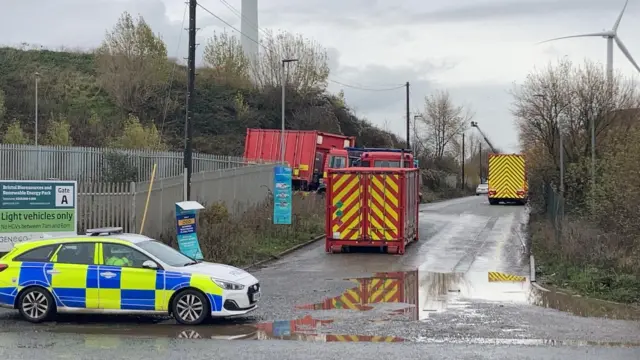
<point x="611" y="36"/>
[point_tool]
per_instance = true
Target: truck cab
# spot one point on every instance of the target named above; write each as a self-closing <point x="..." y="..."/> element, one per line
<point x="383" y="157"/>
<point x="335" y="159"/>
<point x="386" y="159"/>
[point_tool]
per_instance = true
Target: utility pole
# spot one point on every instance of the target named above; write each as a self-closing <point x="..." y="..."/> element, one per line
<point x="408" y="119"/>
<point x="191" y="79"/>
<point x="593" y="153"/>
<point x="36" y="126"/>
<point x="561" y="145"/>
<point x="480" y="159"/>
<point x="284" y="85"/>
<point x="463" y="184"/>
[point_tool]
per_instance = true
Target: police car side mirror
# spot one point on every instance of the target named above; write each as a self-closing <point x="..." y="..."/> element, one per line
<point x="150" y="265"/>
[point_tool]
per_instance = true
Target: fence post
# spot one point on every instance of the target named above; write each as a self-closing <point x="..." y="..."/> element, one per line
<point x="132" y="224"/>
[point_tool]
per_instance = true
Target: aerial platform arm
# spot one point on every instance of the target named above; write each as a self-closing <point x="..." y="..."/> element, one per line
<point x="475" y="125"/>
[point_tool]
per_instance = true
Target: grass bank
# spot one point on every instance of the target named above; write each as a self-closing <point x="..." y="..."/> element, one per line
<point x="584" y="260"/>
<point x="251" y="236"/>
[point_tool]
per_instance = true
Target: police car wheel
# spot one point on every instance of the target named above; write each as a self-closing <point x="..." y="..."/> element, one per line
<point x="36" y="304"/>
<point x="190" y="307"/>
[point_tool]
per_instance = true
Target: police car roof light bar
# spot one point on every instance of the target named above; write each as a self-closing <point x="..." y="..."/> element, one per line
<point x="105" y="231"/>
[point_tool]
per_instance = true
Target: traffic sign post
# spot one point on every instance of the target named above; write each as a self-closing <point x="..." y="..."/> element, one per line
<point x="33" y="209"/>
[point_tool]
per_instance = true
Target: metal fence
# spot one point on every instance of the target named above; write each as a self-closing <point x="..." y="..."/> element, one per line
<point x="554" y="207"/>
<point x="122" y="204"/>
<point x="86" y="164"/>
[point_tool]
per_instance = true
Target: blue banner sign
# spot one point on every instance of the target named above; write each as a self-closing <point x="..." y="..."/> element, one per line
<point x="282" y="195"/>
<point x="187" y="236"/>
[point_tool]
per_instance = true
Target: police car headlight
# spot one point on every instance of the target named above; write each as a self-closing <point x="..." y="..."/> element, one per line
<point x="228" y="285"/>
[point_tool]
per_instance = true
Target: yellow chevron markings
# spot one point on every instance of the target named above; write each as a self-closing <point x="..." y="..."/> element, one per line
<point x="351" y="217"/>
<point x="495" y="276"/>
<point x="506" y="175"/>
<point x="354" y="181"/>
<point x="388" y="214"/>
<point x="392" y="290"/>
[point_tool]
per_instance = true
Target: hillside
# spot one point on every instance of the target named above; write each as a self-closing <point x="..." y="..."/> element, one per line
<point x="71" y="90"/>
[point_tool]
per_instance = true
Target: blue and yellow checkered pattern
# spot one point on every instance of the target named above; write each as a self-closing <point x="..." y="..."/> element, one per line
<point x="106" y="287"/>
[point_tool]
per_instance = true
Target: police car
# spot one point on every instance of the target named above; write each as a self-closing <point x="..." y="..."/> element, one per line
<point x="110" y="272"/>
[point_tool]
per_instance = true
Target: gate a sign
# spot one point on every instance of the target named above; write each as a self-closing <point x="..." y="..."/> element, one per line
<point x="33" y="209"/>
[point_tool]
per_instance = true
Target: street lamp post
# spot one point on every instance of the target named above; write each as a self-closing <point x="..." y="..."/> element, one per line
<point x="37" y="74"/>
<point x="284" y="63"/>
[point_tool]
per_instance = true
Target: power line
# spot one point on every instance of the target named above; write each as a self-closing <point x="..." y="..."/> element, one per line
<point x="367" y="89"/>
<point x="270" y="50"/>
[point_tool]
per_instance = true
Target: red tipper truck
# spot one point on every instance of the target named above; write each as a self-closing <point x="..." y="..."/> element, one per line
<point x="372" y="207"/>
<point x="304" y="151"/>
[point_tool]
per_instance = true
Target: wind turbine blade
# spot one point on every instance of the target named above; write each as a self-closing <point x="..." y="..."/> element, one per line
<point x="577" y="36"/>
<point x="626" y="53"/>
<point x="617" y="23"/>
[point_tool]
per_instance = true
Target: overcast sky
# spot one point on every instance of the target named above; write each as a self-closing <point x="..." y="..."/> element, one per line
<point x="476" y="49"/>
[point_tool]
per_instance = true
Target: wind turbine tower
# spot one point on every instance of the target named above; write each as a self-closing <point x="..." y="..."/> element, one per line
<point x="249" y="28"/>
<point x="611" y="36"/>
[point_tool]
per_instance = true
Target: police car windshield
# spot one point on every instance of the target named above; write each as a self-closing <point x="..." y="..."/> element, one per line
<point x="166" y="254"/>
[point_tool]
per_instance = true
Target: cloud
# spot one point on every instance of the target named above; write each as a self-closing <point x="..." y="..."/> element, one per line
<point x="372" y="43"/>
<point x="83" y="24"/>
<point x="359" y="13"/>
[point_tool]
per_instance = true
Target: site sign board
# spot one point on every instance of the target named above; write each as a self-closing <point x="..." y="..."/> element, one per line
<point x="282" y="194"/>
<point x="34" y="209"/>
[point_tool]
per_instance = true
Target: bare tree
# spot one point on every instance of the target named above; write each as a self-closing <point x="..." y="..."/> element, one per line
<point x="132" y="63"/>
<point x="443" y="123"/>
<point x="225" y="58"/>
<point x="565" y="99"/>
<point x="309" y="73"/>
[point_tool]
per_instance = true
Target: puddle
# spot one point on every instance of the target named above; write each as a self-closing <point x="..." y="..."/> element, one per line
<point x="411" y="296"/>
<point x="393" y="292"/>
<point x="528" y="342"/>
<point x="419" y="294"/>
<point x="222" y="332"/>
<point x="310" y="329"/>
<point x="303" y="329"/>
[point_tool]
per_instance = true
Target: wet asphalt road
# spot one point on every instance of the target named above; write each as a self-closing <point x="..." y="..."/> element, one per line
<point x="433" y="302"/>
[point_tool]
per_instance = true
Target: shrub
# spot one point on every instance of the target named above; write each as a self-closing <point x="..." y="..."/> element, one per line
<point x="251" y="235"/>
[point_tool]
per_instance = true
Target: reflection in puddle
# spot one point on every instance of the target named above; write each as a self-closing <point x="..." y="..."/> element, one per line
<point x="223" y="332"/>
<point x="393" y="288"/>
<point x="421" y="294"/>
<point x="310" y="329"/>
